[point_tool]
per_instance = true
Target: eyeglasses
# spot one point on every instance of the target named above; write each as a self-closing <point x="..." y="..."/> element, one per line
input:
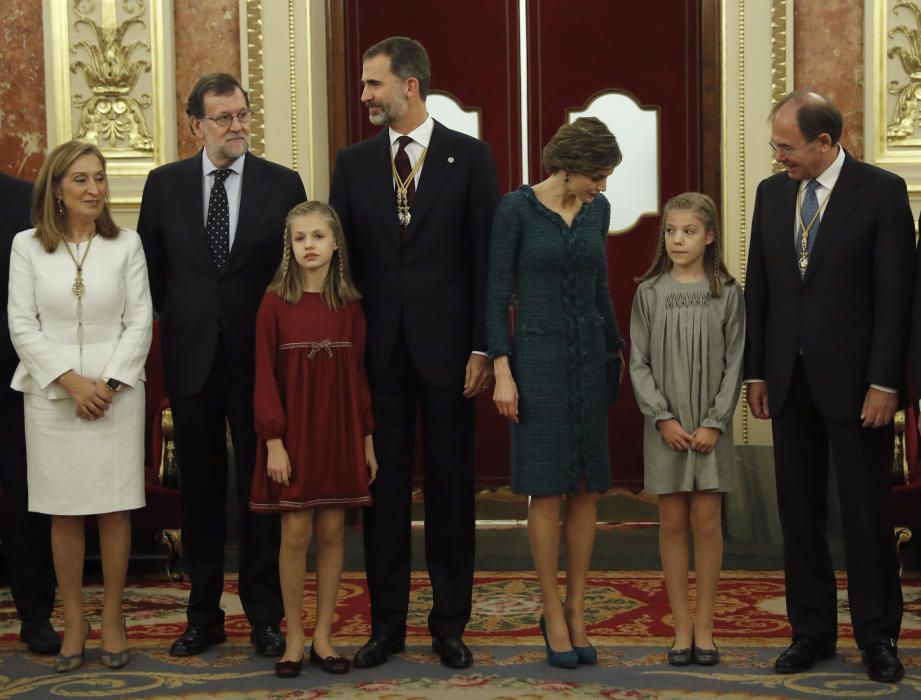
<point x="225" y="120"/>
<point x="785" y="150"/>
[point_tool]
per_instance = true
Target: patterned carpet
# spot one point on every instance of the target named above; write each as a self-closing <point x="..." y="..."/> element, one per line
<point x="629" y="623"/>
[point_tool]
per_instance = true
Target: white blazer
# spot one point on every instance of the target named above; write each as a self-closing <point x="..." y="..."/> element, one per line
<point x="43" y="318"/>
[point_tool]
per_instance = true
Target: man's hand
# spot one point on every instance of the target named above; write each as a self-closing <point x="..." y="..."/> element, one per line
<point x="704" y="439"/>
<point x="370" y="458"/>
<point x="479" y="372"/>
<point x="279" y="465"/>
<point x="878" y="408"/>
<point x="758" y="399"/>
<point x="674" y="435"/>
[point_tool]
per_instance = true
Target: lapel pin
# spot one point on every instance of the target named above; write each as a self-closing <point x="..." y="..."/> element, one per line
<point x="450" y="159"/>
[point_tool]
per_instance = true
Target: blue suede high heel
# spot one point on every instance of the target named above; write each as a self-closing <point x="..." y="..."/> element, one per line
<point x="588" y="656"/>
<point x="560" y="659"/>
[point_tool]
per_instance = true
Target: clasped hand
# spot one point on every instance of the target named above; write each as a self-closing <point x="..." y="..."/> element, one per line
<point x="93" y="399"/>
<point x="701" y="440"/>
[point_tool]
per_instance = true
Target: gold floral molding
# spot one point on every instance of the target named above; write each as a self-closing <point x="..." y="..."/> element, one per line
<point x="905" y="114"/>
<point x="254" y="68"/>
<point x="112" y="112"/>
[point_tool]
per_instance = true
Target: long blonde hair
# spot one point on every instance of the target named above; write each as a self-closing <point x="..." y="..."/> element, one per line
<point x="48" y="216"/>
<point x="338" y="287"/>
<point x="705" y="209"/>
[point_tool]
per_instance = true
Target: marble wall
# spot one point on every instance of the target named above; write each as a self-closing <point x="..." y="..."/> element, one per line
<point x="828" y="58"/>
<point x="22" y="89"/>
<point x="207" y="39"/>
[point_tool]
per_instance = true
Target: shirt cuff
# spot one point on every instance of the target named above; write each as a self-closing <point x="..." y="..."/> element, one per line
<point x="478" y="352"/>
<point x="751" y="381"/>
<point x="888" y="390"/>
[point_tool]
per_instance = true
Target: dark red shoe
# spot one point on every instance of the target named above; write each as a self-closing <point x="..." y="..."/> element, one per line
<point x="289" y="669"/>
<point x="331" y="664"/>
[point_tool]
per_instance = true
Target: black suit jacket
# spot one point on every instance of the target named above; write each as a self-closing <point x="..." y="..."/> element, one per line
<point x="16" y="204"/>
<point x="193" y="298"/>
<point x="850" y="314"/>
<point x="435" y="281"/>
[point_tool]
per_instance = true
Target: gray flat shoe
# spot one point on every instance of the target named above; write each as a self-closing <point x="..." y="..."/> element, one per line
<point x="706" y="657"/>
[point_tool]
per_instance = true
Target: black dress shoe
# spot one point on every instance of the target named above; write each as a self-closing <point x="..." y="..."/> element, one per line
<point x="40" y="637"/>
<point x="330" y="664"/>
<point x="377" y="650"/>
<point x="197" y="639"/>
<point x="680" y="657"/>
<point x="801" y="655"/>
<point x="267" y="640"/>
<point x="453" y="652"/>
<point x="883" y="663"/>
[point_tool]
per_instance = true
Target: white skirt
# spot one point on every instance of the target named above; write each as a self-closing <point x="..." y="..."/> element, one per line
<point x="78" y="467"/>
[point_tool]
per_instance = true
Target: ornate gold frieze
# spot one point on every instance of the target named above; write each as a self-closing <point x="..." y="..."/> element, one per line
<point x="778" y="56"/>
<point x="254" y="68"/>
<point x="112" y="113"/>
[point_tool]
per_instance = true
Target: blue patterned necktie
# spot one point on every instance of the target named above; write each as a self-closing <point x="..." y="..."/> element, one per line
<point x="807" y="217"/>
<point x="218" y="227"/>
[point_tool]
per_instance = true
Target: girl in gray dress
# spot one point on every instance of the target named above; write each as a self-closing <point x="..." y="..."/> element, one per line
<point x="687" y="332"/>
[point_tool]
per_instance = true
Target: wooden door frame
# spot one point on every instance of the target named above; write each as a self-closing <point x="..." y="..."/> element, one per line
<point x="711" y="121"/>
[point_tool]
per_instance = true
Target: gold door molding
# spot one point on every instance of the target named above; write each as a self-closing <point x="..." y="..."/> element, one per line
<point x="109" y="67"/>
<point x="757" y="70"/>
<point x="282" y="51"/>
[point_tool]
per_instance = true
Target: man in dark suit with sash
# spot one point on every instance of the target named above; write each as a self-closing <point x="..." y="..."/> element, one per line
<point x="212" y="227"/>
<point x="828" y="291"/>
<point x="416" y="202"/>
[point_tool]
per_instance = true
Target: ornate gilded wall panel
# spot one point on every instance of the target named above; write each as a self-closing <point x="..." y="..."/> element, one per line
<point x="893" y="89"/>
<point x="109" y="68"/>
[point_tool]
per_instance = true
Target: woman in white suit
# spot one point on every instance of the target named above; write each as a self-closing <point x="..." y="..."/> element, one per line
<point x="80" y="320"/>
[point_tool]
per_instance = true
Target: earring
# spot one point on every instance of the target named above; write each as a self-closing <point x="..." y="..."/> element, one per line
<point x="341" y="265"/>
<point x="566" y="179"/>
<point x="60" y="206"/>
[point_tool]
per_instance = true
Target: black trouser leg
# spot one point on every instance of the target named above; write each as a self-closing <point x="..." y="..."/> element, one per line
<point x="201" y="450"/>
<point x="447" y="437"/>
<point x="801" y="471"/>
<point x="260" y="589"/>
<point x="862" y="459"/>
<point x="26" y="536"/>
<point x="387" y="521"/>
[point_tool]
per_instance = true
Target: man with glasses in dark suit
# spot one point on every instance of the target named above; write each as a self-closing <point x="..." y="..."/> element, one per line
<point x="212" y="229"/>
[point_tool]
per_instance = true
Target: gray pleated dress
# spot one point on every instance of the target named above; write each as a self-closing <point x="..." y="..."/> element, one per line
<point x="686" y="363"/>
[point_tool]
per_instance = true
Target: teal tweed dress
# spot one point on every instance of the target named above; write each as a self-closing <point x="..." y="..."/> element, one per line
<point x="565" y="325"/>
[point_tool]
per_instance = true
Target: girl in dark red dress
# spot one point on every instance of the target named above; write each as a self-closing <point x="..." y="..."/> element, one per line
<point x="313" y="419"/>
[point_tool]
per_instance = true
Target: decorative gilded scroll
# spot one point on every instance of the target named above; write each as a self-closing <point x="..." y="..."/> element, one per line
<point x="905" y="114"/>
<point x="112" y="113"/>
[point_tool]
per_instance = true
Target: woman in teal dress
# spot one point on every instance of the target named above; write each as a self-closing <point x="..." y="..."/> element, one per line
<point x="548" y="250"/>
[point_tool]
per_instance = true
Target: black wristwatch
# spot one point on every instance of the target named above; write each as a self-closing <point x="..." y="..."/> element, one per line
<point x="113" y="384"/>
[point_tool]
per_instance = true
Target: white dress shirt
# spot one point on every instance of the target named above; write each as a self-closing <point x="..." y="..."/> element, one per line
<point x="233" y="185"/>
<point x="421" y="136"/>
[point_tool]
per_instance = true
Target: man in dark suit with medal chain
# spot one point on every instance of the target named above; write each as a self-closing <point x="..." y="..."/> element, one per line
<point x="416" y="203"/>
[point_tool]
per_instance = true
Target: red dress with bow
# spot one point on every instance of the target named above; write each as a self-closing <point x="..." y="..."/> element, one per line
<point x="311" y="391"/>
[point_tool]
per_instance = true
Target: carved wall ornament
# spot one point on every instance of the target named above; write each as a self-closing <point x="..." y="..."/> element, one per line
<point x="906" y="111"/>
<point x="112" y="113"/>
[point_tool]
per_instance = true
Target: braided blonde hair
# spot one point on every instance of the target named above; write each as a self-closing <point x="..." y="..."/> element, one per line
<point x="338" y="287"/>
<point x="705" y="209"/>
